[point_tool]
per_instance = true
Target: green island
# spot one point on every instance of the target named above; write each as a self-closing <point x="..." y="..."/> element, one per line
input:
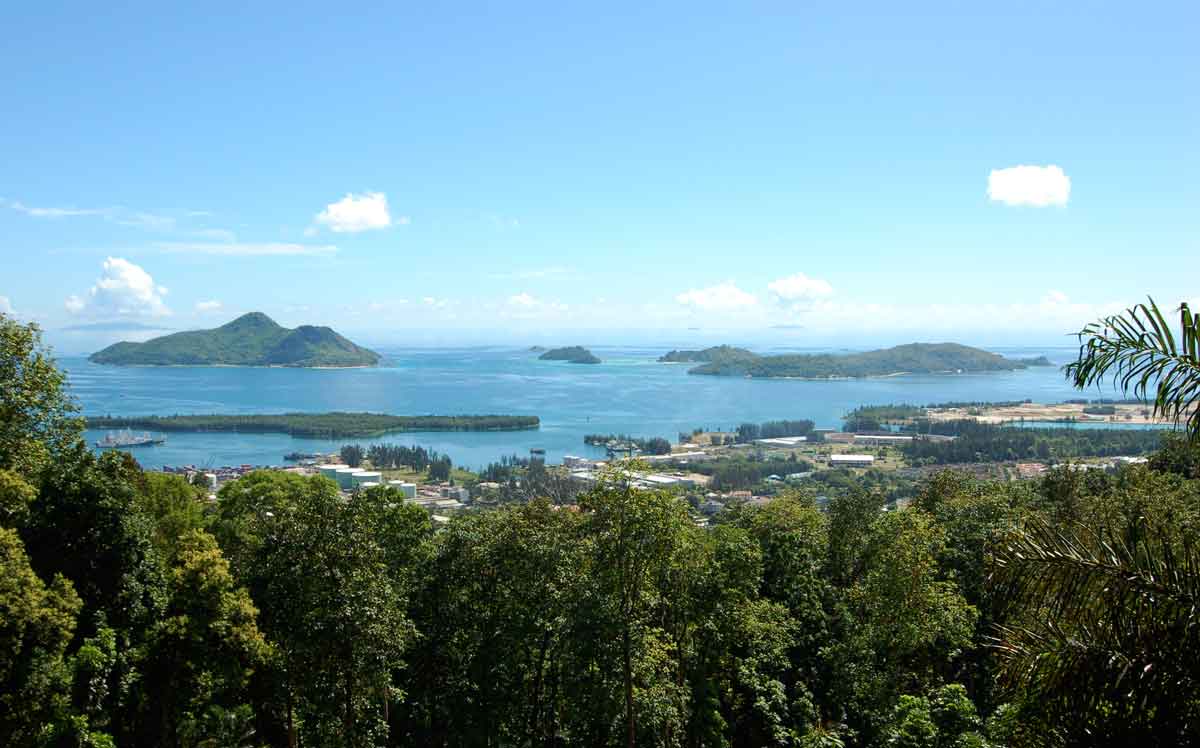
<point x="317" y="425"/>
<point x="253" y="339"/>
<point x="912" y="358"/>
<point x="574" y="354"/>
<point x="715" y="354"/>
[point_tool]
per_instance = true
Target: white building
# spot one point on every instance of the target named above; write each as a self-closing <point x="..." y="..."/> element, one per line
<point x="851" y="460"/>
<point x="783" y="441"/>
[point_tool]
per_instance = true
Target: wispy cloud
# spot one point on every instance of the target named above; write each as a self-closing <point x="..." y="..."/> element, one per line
<point x="222" y="235"/>
<point x="208" y="306"/>
<point x="116" y="214"/>
<point x="723" y="297"/>
<point x="532" y="274"/>
<point x="248" y="249"/>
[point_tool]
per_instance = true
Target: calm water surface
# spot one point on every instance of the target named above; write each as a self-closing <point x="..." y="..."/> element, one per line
<point x="628" y="393"/>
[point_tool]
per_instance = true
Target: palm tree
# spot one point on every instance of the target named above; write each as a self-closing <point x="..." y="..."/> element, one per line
<point x="1138" y="349"/>
<point x="1101" y="629"/>
<point x="1100" y="621"/>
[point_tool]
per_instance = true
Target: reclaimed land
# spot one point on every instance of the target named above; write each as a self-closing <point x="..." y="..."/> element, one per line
<point x="317" y="425"/>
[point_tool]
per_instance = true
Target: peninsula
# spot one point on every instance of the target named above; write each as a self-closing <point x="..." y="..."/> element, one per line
<point x="253" y="339"/>
<point x="574" y="354"/>
<point x="317" y="425"/>
<point x="913" y="358"/>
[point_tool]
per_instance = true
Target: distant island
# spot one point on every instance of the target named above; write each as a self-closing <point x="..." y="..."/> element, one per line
<point x="913" y="358"/>
<point x="253" y="339"/>
<point x="317" y="425"/>
<point x="708" y="355"/>
<point x="574" y="354"/>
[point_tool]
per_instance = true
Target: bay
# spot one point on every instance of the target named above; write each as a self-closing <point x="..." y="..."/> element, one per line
<point x="628" y="393"/>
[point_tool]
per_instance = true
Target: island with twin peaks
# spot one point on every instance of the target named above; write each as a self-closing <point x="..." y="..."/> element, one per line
<point x="253" y="339"/>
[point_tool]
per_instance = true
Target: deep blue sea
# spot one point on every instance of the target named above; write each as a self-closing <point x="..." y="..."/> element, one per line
<point x="629" y="393"/>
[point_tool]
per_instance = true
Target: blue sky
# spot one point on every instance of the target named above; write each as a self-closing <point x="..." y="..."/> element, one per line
<point x="518" y="171"/>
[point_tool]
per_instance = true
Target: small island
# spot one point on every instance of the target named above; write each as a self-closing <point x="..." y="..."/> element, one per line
<point x="575" y="354"/>
<point x="316" y="425"/>
<point x="913" y="358"/>
<point x="253" y="339"/>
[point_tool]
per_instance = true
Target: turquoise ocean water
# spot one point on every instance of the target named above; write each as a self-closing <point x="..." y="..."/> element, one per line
<point x="628" y="393"/>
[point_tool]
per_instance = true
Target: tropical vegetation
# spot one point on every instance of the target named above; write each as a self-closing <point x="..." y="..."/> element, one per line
<point x="133" y="612"/>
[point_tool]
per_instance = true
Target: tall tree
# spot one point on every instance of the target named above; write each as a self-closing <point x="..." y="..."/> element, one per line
<point x="37" y="415"/>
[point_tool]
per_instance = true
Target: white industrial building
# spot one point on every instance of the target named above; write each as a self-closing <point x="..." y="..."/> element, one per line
<point x="851" y="460"/>
<point x="783" y="441"/>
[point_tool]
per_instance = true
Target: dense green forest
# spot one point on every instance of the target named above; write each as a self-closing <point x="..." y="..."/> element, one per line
<point x="984" y="442"/>
<point x="317" y="425"/>
<point x="913" y="358"/>
<point x="574" y="354"/>
<point x="253" y="339"/>
<point x="132" y="613"/>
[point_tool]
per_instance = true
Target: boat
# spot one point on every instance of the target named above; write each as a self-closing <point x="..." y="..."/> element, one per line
<point x="298" y="456"/>
<point x="126" y="439"/>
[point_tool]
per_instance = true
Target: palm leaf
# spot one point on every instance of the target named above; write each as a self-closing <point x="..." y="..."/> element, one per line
<point x="1139" y="351"/>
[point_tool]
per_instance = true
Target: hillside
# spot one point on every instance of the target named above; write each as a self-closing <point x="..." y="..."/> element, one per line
<point x="718" y="353"/>
<point x="574" y="354"/>
<point x="913" y="358"/>
<point x="253" y="339"/>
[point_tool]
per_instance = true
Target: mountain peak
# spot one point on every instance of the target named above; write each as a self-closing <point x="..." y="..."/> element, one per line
<point x="251" y="320"/>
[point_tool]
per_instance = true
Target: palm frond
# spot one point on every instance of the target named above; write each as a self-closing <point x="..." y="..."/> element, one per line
<point x="1097" y="619"/>
<point x="1139" y="350"/>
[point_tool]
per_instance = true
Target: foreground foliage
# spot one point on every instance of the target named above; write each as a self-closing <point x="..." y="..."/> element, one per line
<point x="133" y="613"/>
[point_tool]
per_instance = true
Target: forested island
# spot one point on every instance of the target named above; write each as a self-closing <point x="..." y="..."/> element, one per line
<point x="574" y="354"/>
<point x="317" y="425"/>
<point x="718" y="353"/>
<point x="253" y="339"/>
<point x="913" y="358"/>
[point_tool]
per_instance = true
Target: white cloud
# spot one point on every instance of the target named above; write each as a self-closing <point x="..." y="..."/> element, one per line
<point x="248" y="249"/>
<point x="6" y="306"/>
<point x="208" y="306"/>
<point x="723" y="297"/>
<point x="523" y="300"/>
<point x="1038" y="186"/>
<point x="122" y="290"/>
<point x="354" y="213"/>
<point x="799" y="292"/>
